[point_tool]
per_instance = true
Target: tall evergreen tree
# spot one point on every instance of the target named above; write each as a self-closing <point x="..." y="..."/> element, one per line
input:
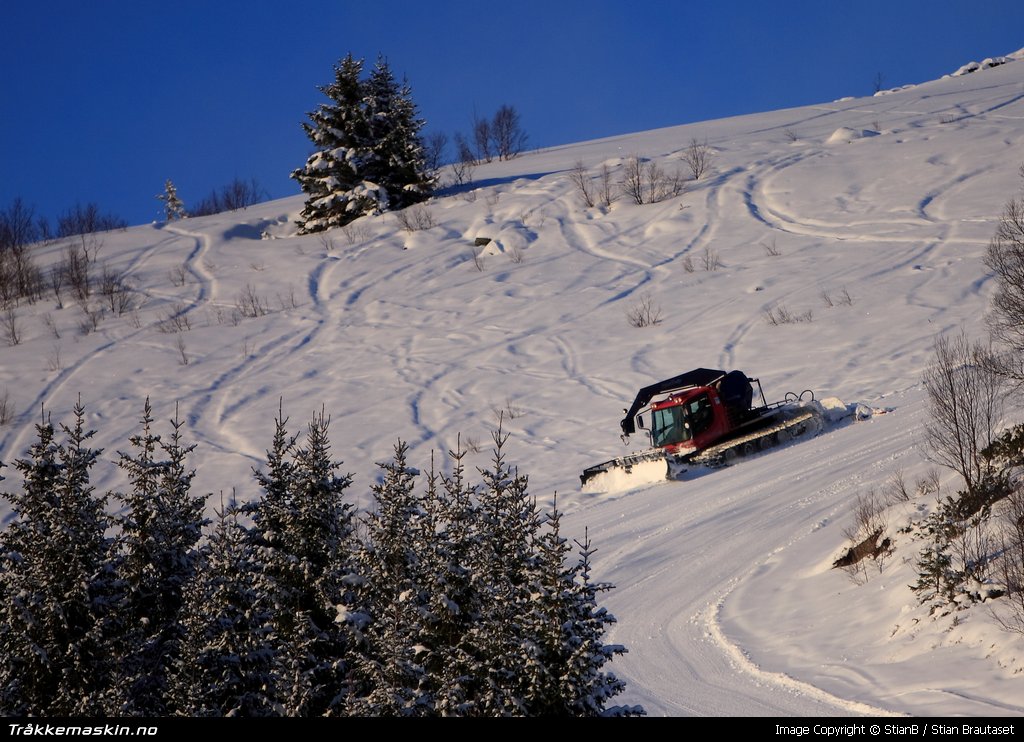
<point x="54" y="585"/>
<point x="160" y="530"/>
<point x="226" y="664"/>
<point x="368" y="154"/>
<point x="395" y="562"/>
<point x="304" y="537"/>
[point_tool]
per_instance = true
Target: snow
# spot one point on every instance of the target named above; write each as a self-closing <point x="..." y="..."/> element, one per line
<point x="725" y="597"/>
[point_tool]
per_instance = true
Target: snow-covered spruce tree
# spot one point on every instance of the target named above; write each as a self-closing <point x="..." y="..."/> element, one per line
<point x="303" y="534"/>
<point x="226" y="663"/>
<point x="395" y="561"/>
<point x="160" y="528"/>
<point x="452" y="662"/>
<point x="54" y="582"/>
<point x="174" y="208"/>
<point x="369" y="156"/>
<point x="505" y="563"/>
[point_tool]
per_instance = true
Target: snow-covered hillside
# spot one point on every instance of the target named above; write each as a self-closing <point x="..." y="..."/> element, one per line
<point x="867" y="217"/>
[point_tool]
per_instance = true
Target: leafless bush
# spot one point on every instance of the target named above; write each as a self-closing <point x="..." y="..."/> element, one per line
<point x="415" y="218"/>
<point x="54" y="362"/>
<point x="781" y="315"/>
<point x="507" y="133"/>
<point x="646" y="183"/>
<point x="698" y="157"/>
<point x="688" y="264"/>
<point x="289" y="300"/>
<point x="515" y="254"/>
<point x="477" y="258"/>
<point x="895" y="489"/>
<point x="92" y="315"/>
<point x="606" y="190"/>
<point x="175" y="320"/>
<point x="11" y="325"/>
<point x="580" y="178"/>
<point x="179" y="274"/>
<point x="509" y="412"/>
<point x="76" y="270"/>
<point x="250" y="304"/>
<point x="1010" y="565"/>
<point x="791" y="135"/>
<point x="354" y="232"/>
<point x="929" y="485"/>
<point x="57" y="279"/>
<point x="645" y="313"/>
<point x="771" y="249"/>
<point x="471" y="445"/>
<point x="87" y="220"/>
<point x="257" y="266"/>
<point x="117" y="290"/>
<point x="966" y="401"/>
<point x="865" y="534"/>
<point x="6" y="407"/>
<point x="434" y="146"/>
<point x="482" y="139"/>
<point x="180" y="345"/>
<point x="51" y="325"/>
<point x="465" y="161"/>
<point x="238" y="194"/>
<point x="710" y="260"/>
<point x="1005" y="258"/>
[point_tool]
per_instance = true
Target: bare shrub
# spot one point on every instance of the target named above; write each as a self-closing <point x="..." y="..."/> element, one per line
<point x="688" y="264"/>
<point x="710" y="260"/>
<point x="51" y="325"/>
<point x="179" y="274"/>
<point x="606" y="189"/>
<point x="11" y="325"/>
<point x="6" y="407"/>
<point x="415" y="218"/>
<point x="482" y="139"/>
<point x="771" y="249"/>
<point x="1010" y="564"/>
<point x="354" y="232"/>
<point x="54" y="362"/>
<point x="698" y="157"/>
<point x="87" y="220"/>
<point x="180" y="346"/>
<point x="238" y="194"/>
<point x="844" y="298"/>
<point x="580" y="178"/>
<point x="865" y="535"/>
<point x="117" y="290"/>
<point x="76" y="270"/>
<point x="895" y="489"/>
<point x="251" y="304"/>
<point x="827" y="298"/>
<point x="477" y="258"/>
<point x="780" y="314"/>
<point x="645" y="313"/>
<point x="966" y="400"/>
<point x="434" y="146"/>
<point x="175" y="320"/>
<point x="646" y="183"/>
<point x="92" y="316"/>
<point x="464" y="163"/>
<point x="507" y="133"/>
<point x="57" y="279"/>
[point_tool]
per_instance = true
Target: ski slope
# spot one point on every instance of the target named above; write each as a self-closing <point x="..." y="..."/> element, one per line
<point x="725" y="596"/>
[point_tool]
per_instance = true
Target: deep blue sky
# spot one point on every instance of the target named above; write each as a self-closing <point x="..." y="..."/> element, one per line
<point x="102" y="101"/>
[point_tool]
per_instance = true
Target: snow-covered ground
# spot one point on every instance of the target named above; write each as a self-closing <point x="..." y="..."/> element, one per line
<point x="725" y="596"/>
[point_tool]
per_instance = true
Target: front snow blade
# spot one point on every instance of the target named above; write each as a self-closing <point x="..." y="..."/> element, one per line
<point x="626" y="473"/>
